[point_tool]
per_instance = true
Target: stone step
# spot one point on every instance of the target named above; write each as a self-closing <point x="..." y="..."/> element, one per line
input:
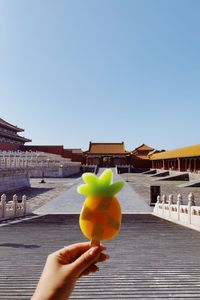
<point x="177" y="176"/>
<point x="149" y="172"/>
<point x="150" y="259"/>
<point x="160" y="174"/>
<point x="192" y="183"/>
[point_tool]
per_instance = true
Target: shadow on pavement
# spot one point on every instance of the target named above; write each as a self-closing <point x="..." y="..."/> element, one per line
<point x="29" y="192"/>
<point x="13" y="245"/>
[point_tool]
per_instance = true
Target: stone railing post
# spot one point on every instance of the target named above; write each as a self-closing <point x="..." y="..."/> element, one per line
<point x="191" y="203"/>
<point x="156" y="208"/>
<point x="158" y="199"/>
<point x="171" y="199"/>
<point x="14" y="202"/>
<point x="3" y="203"/>
<point x="170" y="202"/>
<point x="180" y="199"/>
<point x="24" y="204"/>
<point x="179" y="202"/>
<point x="164" y="201"/>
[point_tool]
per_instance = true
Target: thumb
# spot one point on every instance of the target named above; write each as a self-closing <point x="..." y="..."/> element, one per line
<point x="86" y="260"/>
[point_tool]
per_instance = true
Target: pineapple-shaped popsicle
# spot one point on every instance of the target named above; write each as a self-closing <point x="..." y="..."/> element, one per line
<point x="100" y="218"/>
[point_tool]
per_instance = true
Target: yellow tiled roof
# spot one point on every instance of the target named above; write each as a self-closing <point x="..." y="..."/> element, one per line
<point x="153" y="152"/>
<point x="107" y="148"/>
<point x="189" y="151"/>
<point x="144" y="147"/>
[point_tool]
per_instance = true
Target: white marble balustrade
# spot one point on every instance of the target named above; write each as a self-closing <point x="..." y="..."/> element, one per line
<point x="13" y="209"/>
<point x="184" y="214"/>
<point x="32" y="159"/>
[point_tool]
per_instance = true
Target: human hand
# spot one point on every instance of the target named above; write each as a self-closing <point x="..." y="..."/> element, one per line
<point x="64" y="267"/>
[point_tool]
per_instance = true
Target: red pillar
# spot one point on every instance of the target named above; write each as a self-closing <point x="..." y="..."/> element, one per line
<point x="168" y="165"/>
<point x="198" y="164"/>
<point x="179" y="164"/>
<point x="185" y="164"/>
<point x="195" y="165"/>
<point x="190" y="165"/>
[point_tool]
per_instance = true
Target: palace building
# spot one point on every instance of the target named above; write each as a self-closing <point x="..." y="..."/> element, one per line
<point x="115" y="154"/>
<point x="181" y="159"/>
<point x="140" y="156"/>
<point x="101" y="154"/>
<point x="106" y="154"/>
<point x="98" y="154"/>
<point x="9" y="137"/>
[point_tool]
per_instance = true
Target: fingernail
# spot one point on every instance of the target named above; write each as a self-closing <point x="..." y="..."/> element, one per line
<point x="94" y="250"/>
<point x="107" y="256"/>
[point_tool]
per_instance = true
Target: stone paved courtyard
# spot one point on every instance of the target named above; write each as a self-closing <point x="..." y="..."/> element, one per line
<point x="70" y="202"/>
<point x="141" y="184"/>
<point x="40" y="194"/>
<point x="150" y="259"/>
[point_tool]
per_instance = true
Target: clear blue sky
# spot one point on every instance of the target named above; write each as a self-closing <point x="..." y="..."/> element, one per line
<point x="101" y="70"/>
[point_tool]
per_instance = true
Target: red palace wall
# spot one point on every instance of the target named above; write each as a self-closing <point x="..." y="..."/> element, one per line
<point x="74" y="157"/>
<point x="9" y="147"/>
<point x="55" y="150"/>
<point x="141" y="163"/>
<point x="48" y="149"/>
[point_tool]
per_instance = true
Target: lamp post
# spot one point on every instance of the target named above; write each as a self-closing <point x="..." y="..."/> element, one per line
<point x="128" y="171"/>
<point x="127" y="175"/>
<point x="43" y="168"/>
<point x="60" y="170"/>
<point x="42" y="179"/>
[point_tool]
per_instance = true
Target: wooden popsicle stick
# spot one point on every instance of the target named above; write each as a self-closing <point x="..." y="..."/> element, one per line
<point x="95" y="243"/>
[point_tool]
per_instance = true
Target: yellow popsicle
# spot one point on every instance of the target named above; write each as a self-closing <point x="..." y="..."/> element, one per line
<point x="100" y="218"/>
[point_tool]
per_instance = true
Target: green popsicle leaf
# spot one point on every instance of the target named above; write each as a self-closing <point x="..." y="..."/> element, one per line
<point x="90" y="178"/>
<point x="106" y="177"/>
<point x="100" y="186"/>
<point x="83" y="189"/>
<point x="115" y="188"/>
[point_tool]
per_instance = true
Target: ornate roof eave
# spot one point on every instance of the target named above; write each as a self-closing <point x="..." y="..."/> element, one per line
<point x="7" y="125"/>
<point x="25" y="139"/>
<point x="148" y="148"/>
<point x="14" y="136"/>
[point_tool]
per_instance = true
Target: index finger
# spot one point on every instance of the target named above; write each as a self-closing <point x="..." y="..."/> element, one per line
<point x="72" y="252"/>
